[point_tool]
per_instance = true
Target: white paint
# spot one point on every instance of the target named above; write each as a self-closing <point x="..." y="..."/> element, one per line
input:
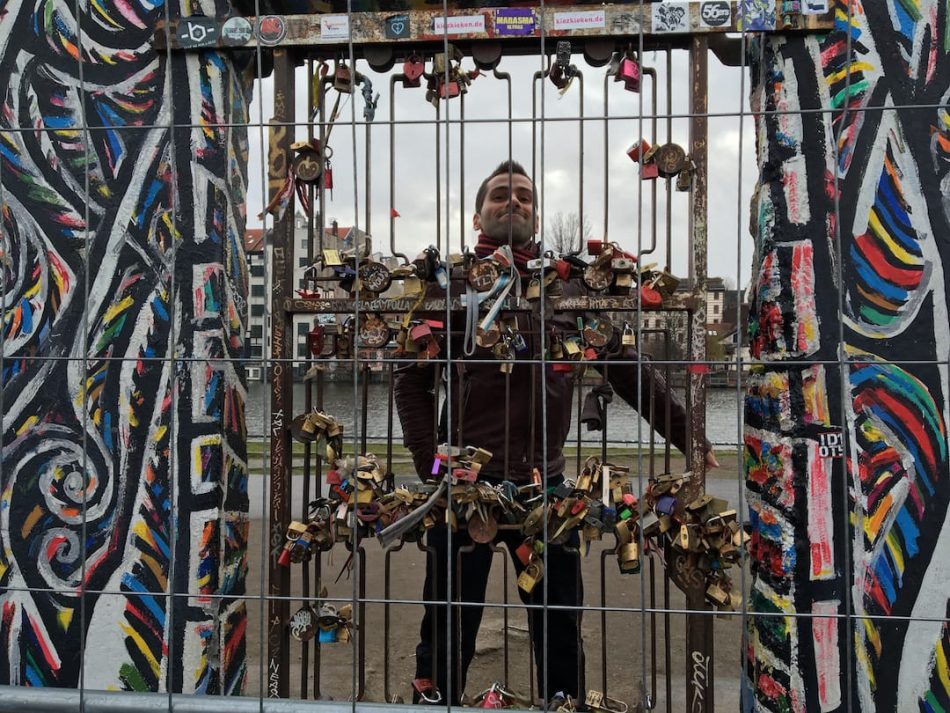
<point x="459" y="24"/>
<point x="580" y="20"/>
<point x="814" y="7"/>
<point x="334" y="27"/>
<point x="824" y="628"/>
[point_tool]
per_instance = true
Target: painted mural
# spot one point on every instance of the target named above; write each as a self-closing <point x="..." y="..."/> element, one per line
<point x="846" y="435"/>
<point x="124" y="474"/>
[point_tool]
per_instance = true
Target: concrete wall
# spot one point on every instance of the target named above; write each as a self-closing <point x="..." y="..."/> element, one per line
<point x="122" y="247"/>
<point x="846" y="461"/>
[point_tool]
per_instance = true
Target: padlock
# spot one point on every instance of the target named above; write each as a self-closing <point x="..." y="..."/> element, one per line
<point x="650" y="298"/>
<point x="572" y="349"/>
<point x="343" y="79"/>
<point x="420" y="333"/>
<point x="597" y="332"/>
<point x="684" y="180"/>
<point x="629" y="558"/>
<point x="598" y="278"/>
<point x="649" y="171"/>
<point x="328" y="176"/>
<point x="482" y="275"/>
<point x="629" y="73"/>
<point x="638" y="149"/>
<point x="412" y="70"/>
<point x="530" y="576"/>
<point x="628" y="337"/>
<point x="533" y="291"/>
<point x="332" y="258"/>
<point x="315" y="339"/>
<point x="303" y="624"/>
<point x="449" y="90"/>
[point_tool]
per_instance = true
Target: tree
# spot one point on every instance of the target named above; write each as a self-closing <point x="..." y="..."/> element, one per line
<point x="565" y="233"/>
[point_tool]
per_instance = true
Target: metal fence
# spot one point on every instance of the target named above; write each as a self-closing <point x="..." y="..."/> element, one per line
<point x="407" y="110"/>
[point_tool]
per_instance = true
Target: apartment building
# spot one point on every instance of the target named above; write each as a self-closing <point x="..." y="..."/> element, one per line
<point x="258" y="247"/>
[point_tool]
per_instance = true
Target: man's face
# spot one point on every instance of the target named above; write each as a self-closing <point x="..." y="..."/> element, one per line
<point x="508" y="209"/>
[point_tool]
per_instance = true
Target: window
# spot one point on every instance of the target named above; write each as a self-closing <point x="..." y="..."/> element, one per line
<point x="715" y="309"/>
<point x="302" y="262"/>
<point x="302" y="329"/>
<point x="257" y="269"/>
<point x="257" y="290"/>
<point x="257" y="332"/>
<point x="257" y="310"/>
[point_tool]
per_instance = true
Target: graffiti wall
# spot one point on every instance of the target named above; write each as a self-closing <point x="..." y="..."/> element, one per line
<point x="123" y="471"/>
<point x="846" y="441"/>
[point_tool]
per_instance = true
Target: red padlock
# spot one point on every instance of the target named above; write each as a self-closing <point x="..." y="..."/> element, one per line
<point x="638" y="149"/>
<point x="328" y="177"/>
<point x="449" y="90"/>
<point x="649" y="171"/>
<point x="412" y="69"/>
<point x="595" y="247"/>
<point x="492" y="699"/>
<point x="650" y="298"/>
<point x="629" y="74"/>
<point x="563" y="269"/>
<point x="315" y="339"/>
<point x="523" y="553"/>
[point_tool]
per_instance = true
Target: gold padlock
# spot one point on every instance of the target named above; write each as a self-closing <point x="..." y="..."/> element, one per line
<point x="629" y="558"/>
<point x="533" y="292"/>
<point x="628" y="337"/>
<point x="530" y="576"/>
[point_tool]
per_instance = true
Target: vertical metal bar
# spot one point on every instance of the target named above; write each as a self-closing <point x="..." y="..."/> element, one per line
<point x="699" y="625"/>
<point x="278" y="641"/>
<point x="318" y="561"/>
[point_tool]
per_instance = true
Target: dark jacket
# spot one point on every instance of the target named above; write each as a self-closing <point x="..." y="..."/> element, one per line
<point x="491" y="410"/>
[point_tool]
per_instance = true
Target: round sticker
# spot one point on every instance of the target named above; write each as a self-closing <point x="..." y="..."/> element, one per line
<point x="271" y="29"/>
<point x="236" y="31"/>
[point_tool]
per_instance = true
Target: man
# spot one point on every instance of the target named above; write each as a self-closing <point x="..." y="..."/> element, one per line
<point x="502" y="412"/>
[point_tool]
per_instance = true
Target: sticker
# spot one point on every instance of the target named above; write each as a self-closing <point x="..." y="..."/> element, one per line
<point x="715" y="14"/>
<point x="271" y="29"/>
<point x="814" y="7"/>
<point x="756" y="15"/>
<point x="831" y="445"/>
<point x="197" y="32"/>
<point x="397" y="27"/>
<point x="236" y="31"/>
<point x="671" y="17"/>
<point x="334" y="27"/>
<point x="580" y="20"/>
<point x="460" y="25"/>
<point x="514" y="21"/>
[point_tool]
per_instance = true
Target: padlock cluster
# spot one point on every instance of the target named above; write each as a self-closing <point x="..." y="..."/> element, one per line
<point x="327" y="624"/>
<point x="322" y="429"/>
<point x="447" y="79"/>
<point x="706" y="530"/>
<point x="665" y="161"/>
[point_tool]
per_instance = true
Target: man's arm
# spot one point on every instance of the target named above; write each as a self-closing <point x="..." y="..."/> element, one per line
<point x="416" y="399"/>
<point x="626" y="380"/>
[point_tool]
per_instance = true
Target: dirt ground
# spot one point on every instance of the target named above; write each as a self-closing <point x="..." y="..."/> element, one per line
<point x="637" y="644"/>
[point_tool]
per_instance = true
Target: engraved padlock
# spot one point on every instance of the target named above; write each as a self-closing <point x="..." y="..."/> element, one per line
<point x="629" y="73"/>
<point x="412" y="70"/>
<point x="629" y="558"/>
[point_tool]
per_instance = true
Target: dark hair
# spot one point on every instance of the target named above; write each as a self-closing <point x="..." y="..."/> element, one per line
<point x="506" y="168"/>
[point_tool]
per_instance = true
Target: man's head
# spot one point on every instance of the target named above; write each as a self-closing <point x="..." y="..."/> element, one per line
<point x="506" y="204"/>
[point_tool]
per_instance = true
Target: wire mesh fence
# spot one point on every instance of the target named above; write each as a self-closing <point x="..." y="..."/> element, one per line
<point x="563" y="356"/>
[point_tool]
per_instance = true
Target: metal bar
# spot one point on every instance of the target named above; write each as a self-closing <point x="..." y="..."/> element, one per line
<point x="278" y="582"/>
<point x="25" y="699"/>
<point x="699" y="627"/>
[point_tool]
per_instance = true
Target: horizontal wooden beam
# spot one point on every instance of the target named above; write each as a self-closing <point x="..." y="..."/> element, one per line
<point x="670" y="22"/>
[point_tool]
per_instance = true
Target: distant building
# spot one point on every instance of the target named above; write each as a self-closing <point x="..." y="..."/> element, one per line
<point x="258" y="246"/>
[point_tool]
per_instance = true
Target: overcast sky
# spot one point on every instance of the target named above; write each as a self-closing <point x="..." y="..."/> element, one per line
<point x="731" y="148"/>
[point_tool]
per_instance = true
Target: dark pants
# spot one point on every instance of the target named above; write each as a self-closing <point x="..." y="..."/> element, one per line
<point x="562" y="634"/>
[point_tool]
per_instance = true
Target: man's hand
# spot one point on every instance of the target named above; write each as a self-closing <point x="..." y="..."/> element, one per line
<point x="711" y="461"/>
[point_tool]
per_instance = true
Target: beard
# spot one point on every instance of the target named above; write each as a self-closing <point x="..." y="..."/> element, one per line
<point x="521" y="228"/>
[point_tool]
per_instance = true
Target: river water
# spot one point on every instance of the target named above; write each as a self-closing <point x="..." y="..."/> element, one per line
<point x="342" y="401"/>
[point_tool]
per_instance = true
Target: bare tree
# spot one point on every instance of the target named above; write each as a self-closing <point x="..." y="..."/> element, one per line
<point x="566" y="234"/>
